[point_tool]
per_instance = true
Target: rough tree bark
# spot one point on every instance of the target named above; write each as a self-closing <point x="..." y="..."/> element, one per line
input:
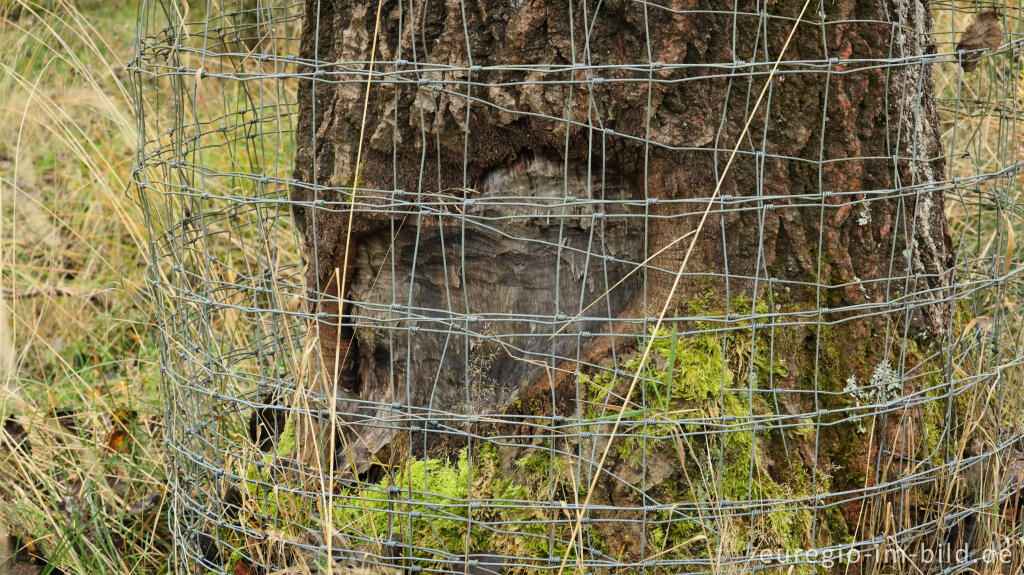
<point x="834" y="129"/>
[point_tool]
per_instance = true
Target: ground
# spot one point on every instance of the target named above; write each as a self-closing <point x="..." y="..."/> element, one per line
<point x="82" y="482"/>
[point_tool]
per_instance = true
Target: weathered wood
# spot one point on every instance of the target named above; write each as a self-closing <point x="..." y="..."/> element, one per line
<point x="663" y="141"/>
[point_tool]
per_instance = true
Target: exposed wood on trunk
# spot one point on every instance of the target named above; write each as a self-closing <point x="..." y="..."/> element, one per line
<point x="557" y="131"/>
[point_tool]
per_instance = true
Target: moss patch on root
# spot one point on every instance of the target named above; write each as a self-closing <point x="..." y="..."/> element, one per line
<point x="709" y="396"/>
<point x="710" y="459"/>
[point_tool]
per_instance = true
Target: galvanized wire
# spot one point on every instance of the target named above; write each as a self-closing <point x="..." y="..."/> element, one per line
<point x="216" y="92"/>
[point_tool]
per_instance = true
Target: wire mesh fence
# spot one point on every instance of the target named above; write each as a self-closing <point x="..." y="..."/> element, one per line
<point x="599" y="287"/>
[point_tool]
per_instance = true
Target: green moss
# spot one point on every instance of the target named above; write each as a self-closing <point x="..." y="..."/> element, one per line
<point x="350" y="187"/>
<point x="718" y="382"/>
<point x="721" y="380"/>
<point x="270" y="497"/>
<point x="429" y="502"/>
<point x="431" y="506"/>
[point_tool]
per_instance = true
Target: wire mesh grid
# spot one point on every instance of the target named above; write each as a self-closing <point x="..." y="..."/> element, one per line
<point x="590" y="286"/>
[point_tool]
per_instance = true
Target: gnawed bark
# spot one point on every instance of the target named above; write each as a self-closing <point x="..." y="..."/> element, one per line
<point x="607" y="119"/>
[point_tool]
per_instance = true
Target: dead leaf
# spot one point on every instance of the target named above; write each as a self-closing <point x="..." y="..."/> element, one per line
<point x="150" y="501"/>
<point x="123" y="417"/>
<point x="241" y="568"/>
<point x="120" y="421"/>
<point x="117" y="439"/>
<point x="984" y="34"/>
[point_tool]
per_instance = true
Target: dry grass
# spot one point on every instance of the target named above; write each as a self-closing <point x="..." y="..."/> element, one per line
<point x="81" y="466"/>
<point x="80" y="375"/>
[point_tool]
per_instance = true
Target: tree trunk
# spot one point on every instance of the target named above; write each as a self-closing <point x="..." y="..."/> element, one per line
<point x="519" y="159"/>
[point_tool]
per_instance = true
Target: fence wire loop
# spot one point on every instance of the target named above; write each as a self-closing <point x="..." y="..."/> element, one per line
<point x="591" y="287"/>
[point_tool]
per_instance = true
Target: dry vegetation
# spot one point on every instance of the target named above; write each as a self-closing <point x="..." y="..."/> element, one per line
<point x="81" y="460"/>
<point x="81" y="484"/>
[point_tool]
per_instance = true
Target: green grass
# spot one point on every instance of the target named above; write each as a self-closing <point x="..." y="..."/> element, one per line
<point x="79" y="362"/>
<point x="79" y="369"/>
